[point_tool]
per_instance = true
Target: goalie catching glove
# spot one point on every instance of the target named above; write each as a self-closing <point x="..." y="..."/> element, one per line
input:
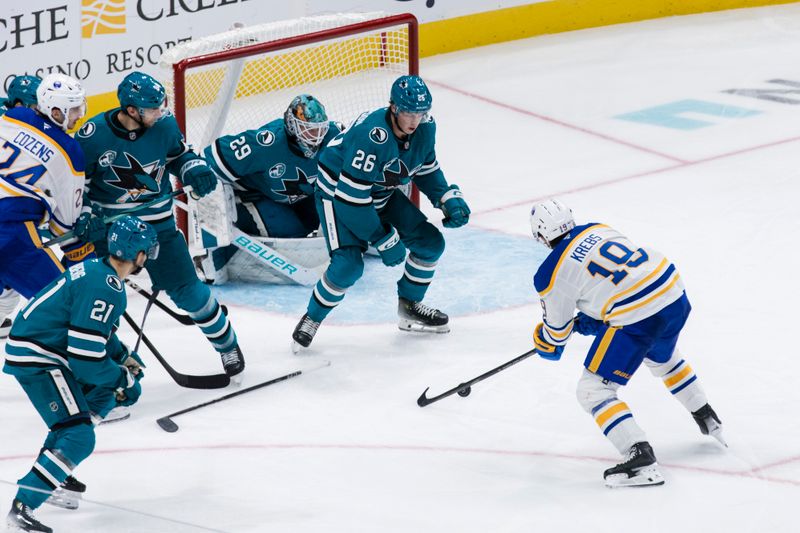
<point x="455" y="208"/>
<point x="545" y="350"/>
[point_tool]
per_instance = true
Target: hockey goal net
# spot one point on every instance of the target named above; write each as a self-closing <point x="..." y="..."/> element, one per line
<point x="246" y="77"/>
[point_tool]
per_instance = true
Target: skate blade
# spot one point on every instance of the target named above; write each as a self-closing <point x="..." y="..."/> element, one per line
<point x="296" y="347"/>
<point x="116" y="419"/>
<point x="717" y="434"/>
<point x="646" y="477"/>
<point x="416" y="327"/>
<point x="66" y="499"/>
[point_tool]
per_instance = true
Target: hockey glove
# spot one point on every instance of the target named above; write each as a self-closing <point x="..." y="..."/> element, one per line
<point x="543" y="348"/>
<point x="90" y="226"/>
<point x="456" y="211"/>
<point x="391" y="248"/>
<point x="128" y="389"/>
<point x="586" y="325"/>
<point x="201" y="178"/>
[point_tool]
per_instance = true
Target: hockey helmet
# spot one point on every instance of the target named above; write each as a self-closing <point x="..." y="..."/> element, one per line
<point x="306" y="122"/>
<point x="130" y="235"/>
<point x="22" y="89"/>
<point x="550" y="220"/>
<point x="409" y="94"/>
<point x="141" y="91"/>
<point x="62" y="92"/>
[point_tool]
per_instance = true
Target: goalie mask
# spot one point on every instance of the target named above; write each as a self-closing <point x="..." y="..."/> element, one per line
<point x="22" y="89"/>
<point x="307" y="123"/>
<point x="550" y="220"/>
<point x="59" y="91"/>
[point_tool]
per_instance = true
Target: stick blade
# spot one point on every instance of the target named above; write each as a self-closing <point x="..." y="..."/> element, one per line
<point x="167" y="424"/>
<point x="423" y="400"/>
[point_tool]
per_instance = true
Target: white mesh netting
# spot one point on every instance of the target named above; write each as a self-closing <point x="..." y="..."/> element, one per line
<point x="349" y="74"/>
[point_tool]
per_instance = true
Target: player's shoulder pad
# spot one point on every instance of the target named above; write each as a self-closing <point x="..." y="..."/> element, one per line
<point x="544" y="275"/>
<point x="47" y="129"/>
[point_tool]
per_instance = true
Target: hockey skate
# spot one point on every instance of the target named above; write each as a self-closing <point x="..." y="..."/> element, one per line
<point x="5" y="328"/>
<point x="20" y="518"/>
<point x="416" y="316"/>
<point x="68" y="495"/>
<point x="304" y="333"/>
<point x="709" y="423"/>
<point x="639" y="470"/>
<point x="233" y="362"/>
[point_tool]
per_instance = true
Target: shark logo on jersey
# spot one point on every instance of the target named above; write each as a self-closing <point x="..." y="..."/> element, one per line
<point x="277" y="170"/>
<point x="378" y="135"/>
<point x="114" y="282"/>
<point x="87" y="130"/>
<point x="137" y="179"/>
<point x="265" y="137"/>
<point x="395" y="173"/>
<point x="293" y="189"/>
<point x="107" y="158"/>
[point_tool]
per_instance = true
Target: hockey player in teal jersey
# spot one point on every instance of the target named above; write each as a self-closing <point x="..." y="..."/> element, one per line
<point x="130" y="152"/>
<point x="62" y="342"/>
<point x="272" y="170"/>
<point x="359" y="205"/>
<point x="41" y="179"/>
<point x="632" y="301"/>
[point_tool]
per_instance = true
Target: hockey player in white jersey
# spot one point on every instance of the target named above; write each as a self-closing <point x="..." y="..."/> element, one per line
<point x="41" y="181"/>
<point x="632" y="300"/>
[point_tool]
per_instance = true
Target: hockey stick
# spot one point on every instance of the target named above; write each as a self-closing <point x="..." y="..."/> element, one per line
<point x="167" y="424"/>
<point x="272" y="258"/>
<point x="213" y="381"/>
<point x="109" y="219"/>
<point x="183" y="318"/>
<point x="463" y="389"/>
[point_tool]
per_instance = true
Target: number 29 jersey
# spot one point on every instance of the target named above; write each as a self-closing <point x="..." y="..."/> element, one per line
<point x="602" y="273"/>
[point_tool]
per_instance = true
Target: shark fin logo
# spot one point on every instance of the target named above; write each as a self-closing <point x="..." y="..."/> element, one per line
<point x="102" y="16"/>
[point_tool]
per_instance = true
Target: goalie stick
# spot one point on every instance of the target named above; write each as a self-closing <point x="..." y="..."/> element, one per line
<point x="213" y="381"/>
<point x="167" y="424"/>
<point x="464" y="389"/>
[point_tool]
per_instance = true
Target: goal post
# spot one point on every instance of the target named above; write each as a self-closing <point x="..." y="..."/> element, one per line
<point x="246" y="77"/>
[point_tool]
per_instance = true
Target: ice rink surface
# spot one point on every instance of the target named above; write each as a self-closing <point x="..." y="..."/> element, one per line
<point x="347" y="449"/>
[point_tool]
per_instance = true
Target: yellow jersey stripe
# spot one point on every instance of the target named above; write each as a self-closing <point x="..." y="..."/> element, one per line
<point x="657" y="272"/>
<point x="565" y="253"/>
<point x="53" y="141"/>
<point x="34" y="235"/>
<point x="617" y="313"/>
<point x="606" y="415"/>
<point x="559" y="335"/>
<point x="669" y="382"/>
<point x="601" y="350"/>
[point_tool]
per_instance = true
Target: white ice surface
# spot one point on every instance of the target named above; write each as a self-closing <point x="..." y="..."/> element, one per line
<point x="347" y="449"/>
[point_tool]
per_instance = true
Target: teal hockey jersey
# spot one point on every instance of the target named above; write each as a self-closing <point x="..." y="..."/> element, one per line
<point x="266" y="162"/>
<point x="363" y="166"/>
<point x="70" y="324"/>
<point x="125" y="168"/>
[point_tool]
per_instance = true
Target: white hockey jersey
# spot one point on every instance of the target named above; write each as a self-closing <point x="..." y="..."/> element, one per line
<point x="602" y="273"/>
<point x="40" y="166"/>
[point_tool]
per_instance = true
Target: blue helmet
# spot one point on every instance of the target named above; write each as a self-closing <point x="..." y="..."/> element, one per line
<point x="141" y="91"/>
<point x="410" y="94"/>
<point x="130" y="235"/>
<point x="23" y="89"/>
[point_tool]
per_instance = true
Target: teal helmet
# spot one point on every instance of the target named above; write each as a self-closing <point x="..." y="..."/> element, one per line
<point x="410" y="94"/>
<point x="130" y="235"/>
<point x="306" y="123"/>
<point x="141" y="91"/>
<point x="22" y="89"/>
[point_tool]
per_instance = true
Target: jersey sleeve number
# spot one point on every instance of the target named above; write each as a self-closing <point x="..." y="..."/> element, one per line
<point x="363" y="161"/>
<point x="101" y="310"/>
<point x="240" y="148"/>
<point x="619" y="255"/>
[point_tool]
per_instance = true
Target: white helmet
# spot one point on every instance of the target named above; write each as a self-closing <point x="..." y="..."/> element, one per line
<point x="550" y="220"/>
<point x="59" y="91"/>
